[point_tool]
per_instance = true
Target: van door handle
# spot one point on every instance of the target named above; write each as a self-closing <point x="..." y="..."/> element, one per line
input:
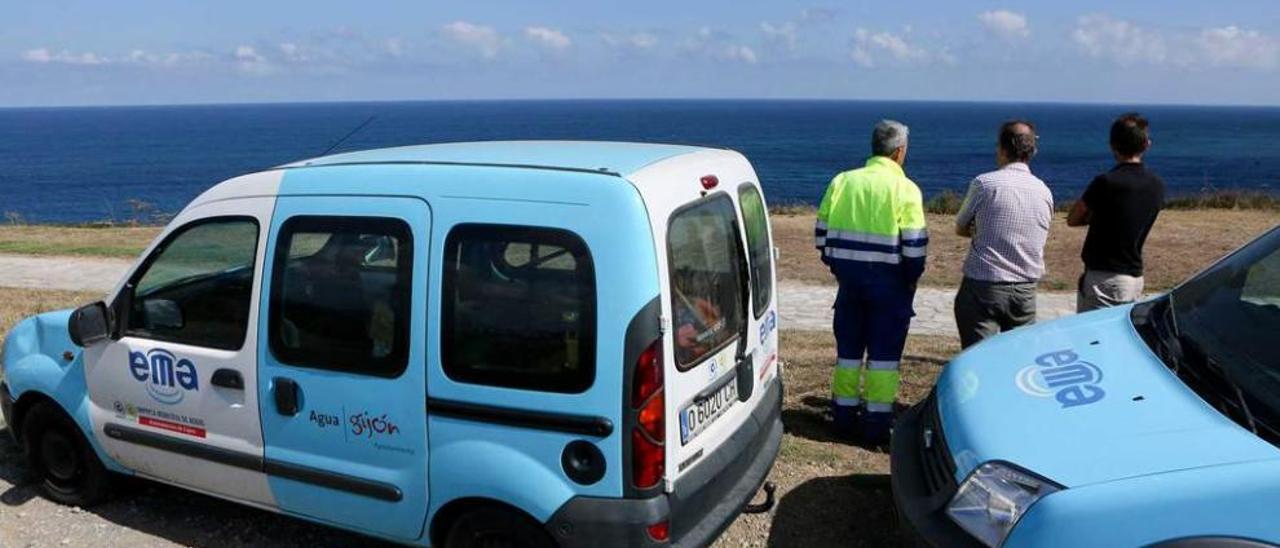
<point x="286" y="392"/>
<point x="227" y="378"/>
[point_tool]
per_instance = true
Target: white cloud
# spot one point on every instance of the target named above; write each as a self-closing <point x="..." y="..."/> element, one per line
<point x="552" y="39"/>
<point x="1005" y="24"/>
<point x="1120" y="41"/>
<point x="45" y="56"/>
<point x="136" y="57"/>
<point x="636" y="40"/>
<point x="480" y="38"/>
<point x="247" y="59"/>
<point x="247" y="54"/>
<point x="741" y="54"/>
<point x="788" y="35"/>
<point x="38" y="55"/>
<point x="869" y="47"/>
<point x="1236" y="47"/>
<point x="715" y="44"/>
<point x="783" y="34"/>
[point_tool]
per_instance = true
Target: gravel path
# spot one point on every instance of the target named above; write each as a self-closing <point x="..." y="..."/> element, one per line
<point x="804" y="307"/>
<point x="808" y="308"/>
<point x="66" y="273"/>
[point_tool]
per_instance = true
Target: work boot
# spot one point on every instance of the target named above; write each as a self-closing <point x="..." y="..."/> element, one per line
<point x="845" y="420"/>
<point x="874" y="428"/>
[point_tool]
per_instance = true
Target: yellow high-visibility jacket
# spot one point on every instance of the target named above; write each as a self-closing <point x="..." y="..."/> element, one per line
<point x="874" y="214"/>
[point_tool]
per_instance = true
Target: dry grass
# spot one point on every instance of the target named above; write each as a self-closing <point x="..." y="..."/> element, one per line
<point x="1181" y="243"/>
<point x="831" y="492"/>
<point x="125" y="242"/>
<point x="16" y="304"/>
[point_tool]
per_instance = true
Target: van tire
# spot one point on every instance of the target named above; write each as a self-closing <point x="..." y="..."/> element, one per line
<point x="493" y="527"/>
<point x="61" y="458"/>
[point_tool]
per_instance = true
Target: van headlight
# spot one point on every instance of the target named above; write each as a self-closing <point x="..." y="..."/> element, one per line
<point x="994" y="497"/>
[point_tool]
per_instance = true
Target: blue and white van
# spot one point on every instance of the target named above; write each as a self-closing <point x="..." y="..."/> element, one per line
<point x="508" y="343"/>
<point x="1156" y="423"/>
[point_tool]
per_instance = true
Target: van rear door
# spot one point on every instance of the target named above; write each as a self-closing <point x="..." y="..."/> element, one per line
<point x="762" y="332"/>
<point x="710" y="389"/>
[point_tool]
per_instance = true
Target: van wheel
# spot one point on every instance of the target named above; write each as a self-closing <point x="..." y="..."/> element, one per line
<point x="61" y="458"/>
<point x="496" y="528"/>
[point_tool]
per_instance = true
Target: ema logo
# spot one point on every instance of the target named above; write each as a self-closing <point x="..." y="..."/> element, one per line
<point x="1063" y="375"/>
<point x="167" y="378"/>
<point x="767" y="325"/>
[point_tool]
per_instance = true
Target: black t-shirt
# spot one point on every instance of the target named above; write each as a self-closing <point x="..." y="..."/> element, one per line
<point x="1123" y="204"/>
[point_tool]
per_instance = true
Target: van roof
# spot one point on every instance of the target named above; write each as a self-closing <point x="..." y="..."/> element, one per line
<point x="619" y="158"/>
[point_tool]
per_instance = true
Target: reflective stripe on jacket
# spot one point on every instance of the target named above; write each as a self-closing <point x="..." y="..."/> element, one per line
<point x="875" y="215"/>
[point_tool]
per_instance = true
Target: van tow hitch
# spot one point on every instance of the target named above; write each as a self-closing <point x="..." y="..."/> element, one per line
<point x="765" y="506"/>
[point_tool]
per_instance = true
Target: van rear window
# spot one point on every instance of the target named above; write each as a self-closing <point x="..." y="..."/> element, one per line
<point x="706" y="279"/>
<point x="519" y="308"/>
<point x="756" y="220"/>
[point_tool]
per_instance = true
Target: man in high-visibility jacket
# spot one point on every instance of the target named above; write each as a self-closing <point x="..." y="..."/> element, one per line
<point x="871" y="233"/>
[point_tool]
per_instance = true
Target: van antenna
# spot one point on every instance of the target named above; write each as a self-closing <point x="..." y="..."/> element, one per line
<point x="349" y="134"/>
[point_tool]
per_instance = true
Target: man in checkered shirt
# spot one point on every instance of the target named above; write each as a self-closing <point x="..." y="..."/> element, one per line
<point x="1006" y="213"/>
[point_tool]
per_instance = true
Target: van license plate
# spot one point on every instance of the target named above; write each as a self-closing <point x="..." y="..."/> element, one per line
<point x="699" y="414"/>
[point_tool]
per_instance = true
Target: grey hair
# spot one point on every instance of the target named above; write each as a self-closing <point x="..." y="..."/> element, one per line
<point x="888" y="136"/>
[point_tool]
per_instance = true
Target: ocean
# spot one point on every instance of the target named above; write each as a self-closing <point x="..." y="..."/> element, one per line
<point x="109" y="163"/>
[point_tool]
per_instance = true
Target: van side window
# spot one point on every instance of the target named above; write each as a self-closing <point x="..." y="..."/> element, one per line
<point x="341" y="294"/>
<point x="519" y="308"/>
<point x="196" y="287"/>
<point x="756" y="221"/>
<point x="706" y="279"/>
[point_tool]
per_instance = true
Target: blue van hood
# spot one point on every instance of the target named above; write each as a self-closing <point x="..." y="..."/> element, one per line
<point x="1082" y="400"/>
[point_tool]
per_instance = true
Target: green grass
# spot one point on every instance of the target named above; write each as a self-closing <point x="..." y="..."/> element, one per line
<point x="47" y="248"/>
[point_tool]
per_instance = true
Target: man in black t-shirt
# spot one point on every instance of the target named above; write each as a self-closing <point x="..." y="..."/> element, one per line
<point x="1119" y="207"/>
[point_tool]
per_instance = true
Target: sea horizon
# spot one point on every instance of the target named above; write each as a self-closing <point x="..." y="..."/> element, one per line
<point x="89" y="163"/>
<point x="319" y="102"/>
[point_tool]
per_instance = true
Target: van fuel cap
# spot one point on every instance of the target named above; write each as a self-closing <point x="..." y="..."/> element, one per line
<point x="583" y="462"/>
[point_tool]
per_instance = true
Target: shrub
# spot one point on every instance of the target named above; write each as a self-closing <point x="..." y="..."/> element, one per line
<point x="946" y="202"/>
<point x="1225" y="199"/>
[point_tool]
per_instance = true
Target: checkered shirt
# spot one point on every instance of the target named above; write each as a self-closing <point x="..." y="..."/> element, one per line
<point x="1010" y="210"/>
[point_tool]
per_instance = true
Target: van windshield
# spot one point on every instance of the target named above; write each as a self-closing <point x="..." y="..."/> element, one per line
<point x="707" y="279"/>
<point x="1218" y="330"/>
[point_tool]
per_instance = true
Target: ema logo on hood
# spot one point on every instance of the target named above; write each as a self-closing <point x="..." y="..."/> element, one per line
<point x="1063" y="375"/>
<point x="167" y="377"/>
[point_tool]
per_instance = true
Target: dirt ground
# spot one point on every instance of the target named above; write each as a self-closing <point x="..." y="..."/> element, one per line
<point x="830" y="492"/>
<point x="1181" y="243"/>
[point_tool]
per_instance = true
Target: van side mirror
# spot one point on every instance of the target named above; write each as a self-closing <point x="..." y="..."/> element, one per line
<point x="90" y="324"/>
<point x="161" y="314"/>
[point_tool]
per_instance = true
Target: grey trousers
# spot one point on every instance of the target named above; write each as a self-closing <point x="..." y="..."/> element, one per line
<point x="984" y="309"/>
<point x="1101" y="289"/>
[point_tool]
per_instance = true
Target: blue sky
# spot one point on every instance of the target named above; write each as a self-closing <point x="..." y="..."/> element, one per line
<point x="73" y="52"/>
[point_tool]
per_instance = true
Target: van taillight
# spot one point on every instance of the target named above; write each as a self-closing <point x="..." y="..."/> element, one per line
<point x="648" y="457"/>
<point x="660" y="531"/>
